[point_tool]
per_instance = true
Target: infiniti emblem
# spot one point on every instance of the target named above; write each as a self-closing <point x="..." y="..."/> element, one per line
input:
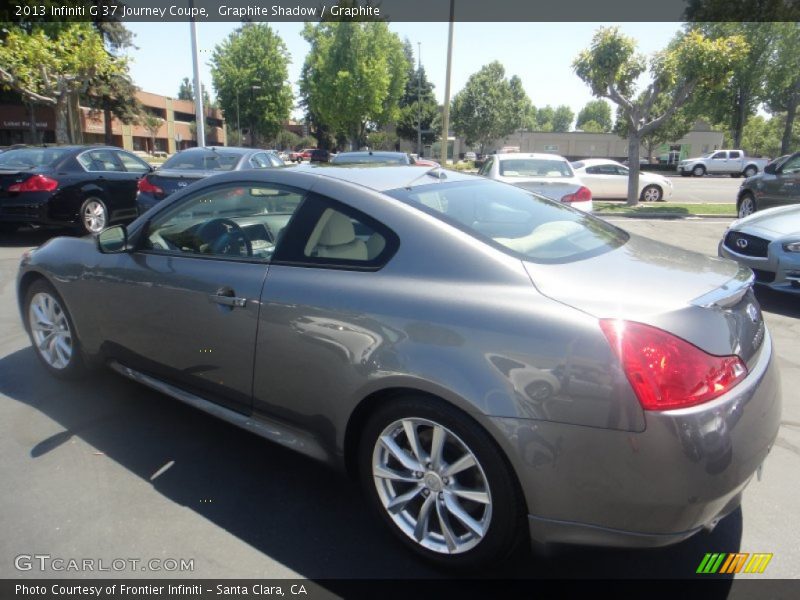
<point x="741" y="243"/>
<point x="184" y="184"/>
<point x="752" y="312"/>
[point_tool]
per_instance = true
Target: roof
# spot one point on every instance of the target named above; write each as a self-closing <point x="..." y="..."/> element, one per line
<point x="596" y="161"/>
<point x="382" y="178"/>
<point x="539" y="155"/>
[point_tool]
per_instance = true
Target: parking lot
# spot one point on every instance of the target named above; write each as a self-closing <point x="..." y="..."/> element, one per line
<point x="104" y="468"/>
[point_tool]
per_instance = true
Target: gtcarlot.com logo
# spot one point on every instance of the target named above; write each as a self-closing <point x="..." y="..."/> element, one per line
<point x="727" y="563"/>
<point x="46" y="562"/>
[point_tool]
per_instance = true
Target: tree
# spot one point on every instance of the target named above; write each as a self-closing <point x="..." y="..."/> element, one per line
<point x="114" y="94"/>
<point x="670" y="130"/>
<point x="52" y="70"/>
<point x="286" y="139"/>
<point x="489" y="107"/>
<point x="418" y="106"/>
<point x="353" y="77"/>
<point x="598" y="112"/>
<point x="249" y="72"/>
<point x="738" y="100"/>
<point x="783" y="79"/>
<point x="186" y="91"/>
<point x="562" y="118"/>
<point x="611" y="67"/>
<point x="152" y="124"/>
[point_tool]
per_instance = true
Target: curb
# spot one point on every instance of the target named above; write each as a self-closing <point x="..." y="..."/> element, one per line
<point x="661" y="215"/>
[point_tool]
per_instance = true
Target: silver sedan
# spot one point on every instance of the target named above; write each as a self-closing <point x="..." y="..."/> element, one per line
<point x="769" y="243"/>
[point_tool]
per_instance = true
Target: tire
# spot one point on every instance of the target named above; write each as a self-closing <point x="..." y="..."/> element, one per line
<point x="495" y="513"/>
<point x="63" y="360"/>
<point x="699" y="171"/>
<point x="747" y="205"/>
<point x="652" y="193"/>
<point x="750" y="171"/>
<point x="93" y="217"/>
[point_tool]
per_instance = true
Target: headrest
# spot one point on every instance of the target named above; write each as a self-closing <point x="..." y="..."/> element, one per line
<point x="338" y="230"/>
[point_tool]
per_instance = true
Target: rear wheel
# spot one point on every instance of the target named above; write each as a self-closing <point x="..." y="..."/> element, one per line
<point x="750" y="171"/>
<point x="699" y="171"/>
<point x="94" y="216"/>
<point x="52" y="332"/>
<point x="440" y="483"/>
<point x="747" y="205"/>
<point x="651" y="193"/>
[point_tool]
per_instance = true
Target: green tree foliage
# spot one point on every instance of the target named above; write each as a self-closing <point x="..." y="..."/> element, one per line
<point x="742" y="10"/>
<point x="490" y="106"/>
<point x="611" y="67"/>
<point x="152" y="124"/>
<point x="418" y="104"/>
<point x="53" y="70"/>
<point x="249" y="73"/>
<point x="597" y="112"/>
<point x="670" y="130"/>
<point x="783" y="80"/>
<point x="286" y="140"/>
<point x="353" y="78"/>
<point x="562" y="118"/>
<point x="186" y="92"/>
<point x="736" y="101"/>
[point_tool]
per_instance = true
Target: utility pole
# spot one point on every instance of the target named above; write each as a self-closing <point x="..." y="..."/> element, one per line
<point x="199" y="112"/>
<point x="419" y="98"/>
<point x="446" y="112"/>
<point x="238" y="124"/>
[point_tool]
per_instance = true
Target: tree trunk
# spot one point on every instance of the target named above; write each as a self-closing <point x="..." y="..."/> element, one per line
<point x="32" y="119"/>
<point x="62" y="106"/>
<point x="739" y="119"/>
<point x="791" y="112"/>
<point x="108" y="130"/>
<point x="634" y="142"/>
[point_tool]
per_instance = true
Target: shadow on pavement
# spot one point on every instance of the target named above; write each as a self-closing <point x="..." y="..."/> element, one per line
<point x="302" y="514"/>
<point x="781" y="303"/>
<point x="29" y="237"/>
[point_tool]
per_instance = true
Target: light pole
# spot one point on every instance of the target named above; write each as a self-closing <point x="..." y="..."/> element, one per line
<point x="238" y="124"/>
<point x="446" y="112"/>
<point x="199" y="112"/>
<point x="419" y="99"/>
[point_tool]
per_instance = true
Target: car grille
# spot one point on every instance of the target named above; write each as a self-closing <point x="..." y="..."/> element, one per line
<point x="745" y="244"/>
<point x="764" y="276"/>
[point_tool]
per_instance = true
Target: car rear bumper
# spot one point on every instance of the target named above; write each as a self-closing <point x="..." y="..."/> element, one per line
<point x="779" y="270"/>
<point x="30" y="208"/>
<point x="684" y="472"/>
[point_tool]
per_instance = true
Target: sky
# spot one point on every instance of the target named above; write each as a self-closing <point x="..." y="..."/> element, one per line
<point x="541" y="54"/>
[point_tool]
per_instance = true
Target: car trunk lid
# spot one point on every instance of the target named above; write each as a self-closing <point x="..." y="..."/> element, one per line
<point x="172" y="180"/>
<point x="554" y="190"/>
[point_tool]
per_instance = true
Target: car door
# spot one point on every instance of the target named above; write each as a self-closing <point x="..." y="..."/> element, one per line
<point x="718" y="163"/>
<point x="184" y="305"/>
<point x="135" y="169"/>
<point x="734" y="164"/>
<point x="108" y="180"/>
<point x="603" y="181"/>
<point x="784" y="187"/>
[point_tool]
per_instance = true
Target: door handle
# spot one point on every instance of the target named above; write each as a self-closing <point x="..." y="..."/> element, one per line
<point x="226" y="297"/>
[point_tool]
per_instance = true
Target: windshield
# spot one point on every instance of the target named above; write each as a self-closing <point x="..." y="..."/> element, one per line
<point x="202" y="161"/>
<point x="30" y="158"/>
<point x="534" y="167"/>
<point x="515" y="220"/>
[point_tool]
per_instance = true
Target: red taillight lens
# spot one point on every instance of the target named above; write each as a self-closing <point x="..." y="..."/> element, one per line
<point x="146" y="186"/>
<point x="36" y="183"/>
<point x="582" y="194"/>
<point x="667" y="372"/>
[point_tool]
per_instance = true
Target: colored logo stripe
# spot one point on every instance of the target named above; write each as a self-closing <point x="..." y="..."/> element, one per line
<point x="734" y="562"/>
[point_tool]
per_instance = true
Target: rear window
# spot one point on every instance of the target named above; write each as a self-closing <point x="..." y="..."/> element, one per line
<point x="367" y="158"/>
<point x="534" y="167"/>
<point x="203" y="161"/>
<point x="30" y="158"/>
<point x="519" y="222"/>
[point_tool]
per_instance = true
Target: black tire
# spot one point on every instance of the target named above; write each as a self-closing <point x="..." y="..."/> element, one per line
<point x="76" y="366"/>
<point x="750" y="171"/>
<point x="699" y="171"/>
<point x="746" y="200"/>
<point x="655" y="193"/>
<point x="506" y="525"/>
<point x="82" y="225"/>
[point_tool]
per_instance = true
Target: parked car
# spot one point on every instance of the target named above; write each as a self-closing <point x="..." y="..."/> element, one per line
<point x="85" y="187"/>
<point x="425" y="162"/>
<point x="722" y="162"/>
<point x="406" y="330"/>
<point x="609" y="179"/>
<point x="372" y="157"/>
<point x="769" y="243"/>
<point x="547" y="174"/>
<point x="470" y="156"/>
<point x="778" y="185"/>
<point x="319" y="155"/>
<point x="193" y="164"/>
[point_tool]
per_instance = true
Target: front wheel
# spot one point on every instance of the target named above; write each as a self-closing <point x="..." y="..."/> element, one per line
<point x="52" y="332"/>
<point x="747" y="206"/>
<point x="699" y="171"/>
<point x="440" y="483"/>
<point x="651" y="193"/>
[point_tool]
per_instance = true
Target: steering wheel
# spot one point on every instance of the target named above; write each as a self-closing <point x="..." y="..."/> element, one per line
<point x="224" y="236"/>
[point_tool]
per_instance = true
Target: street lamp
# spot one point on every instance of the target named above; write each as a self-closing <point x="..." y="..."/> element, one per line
<point x="419" y="98"/>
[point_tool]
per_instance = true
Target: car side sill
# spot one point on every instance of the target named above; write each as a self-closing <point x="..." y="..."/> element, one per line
<point x="272" y="430"/>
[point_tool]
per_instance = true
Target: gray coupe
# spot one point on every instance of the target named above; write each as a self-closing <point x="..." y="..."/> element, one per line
<point x="492" y="365"/>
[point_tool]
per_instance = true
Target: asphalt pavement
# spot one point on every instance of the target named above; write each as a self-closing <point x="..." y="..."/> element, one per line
<point x="105" y="469"/>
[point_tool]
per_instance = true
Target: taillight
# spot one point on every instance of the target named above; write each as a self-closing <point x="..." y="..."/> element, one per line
<point x="667" y="372"/>
<point x="582" y="194"/>
<point x="36" y="183"/>
<point x="146" y="186"/>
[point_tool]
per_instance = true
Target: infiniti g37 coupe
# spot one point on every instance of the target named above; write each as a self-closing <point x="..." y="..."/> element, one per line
<point x="490" y="364"/>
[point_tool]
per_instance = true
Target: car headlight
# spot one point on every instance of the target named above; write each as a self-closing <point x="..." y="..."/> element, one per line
<point x="792" y="247"/>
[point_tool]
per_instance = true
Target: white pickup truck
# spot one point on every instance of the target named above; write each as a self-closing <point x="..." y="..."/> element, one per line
<point x="722" y="162"/>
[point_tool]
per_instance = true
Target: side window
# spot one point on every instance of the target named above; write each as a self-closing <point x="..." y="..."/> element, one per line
<point x="327" y="233"/>
<point x="260" y="161"/>
<point x="230" y="220"/>
<point x="621" y="171"/>
<point x="100" y="160"/>
<point x="719" y="156"/>
<point x="133" y="164"/>
<point x="792" y="165"/>
<point x="593" y="170"/>
<point x="486" y="168"/>
<point x="735" y="154"/>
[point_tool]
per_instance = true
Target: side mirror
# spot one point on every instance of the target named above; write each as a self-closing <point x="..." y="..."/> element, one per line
<point x="113" y="240"/>
<point x="770" y="169"/>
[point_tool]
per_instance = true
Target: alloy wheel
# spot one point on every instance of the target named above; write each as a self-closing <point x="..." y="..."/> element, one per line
<point x="432" y="485"/>
<point x="746" y="207"/>
<point x="651" y="194"/>
<point x="94" y="216"/>
<point x="50" y="330"/>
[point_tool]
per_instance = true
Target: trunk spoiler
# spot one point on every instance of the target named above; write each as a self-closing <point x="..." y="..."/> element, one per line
<point x="728" y="294"/>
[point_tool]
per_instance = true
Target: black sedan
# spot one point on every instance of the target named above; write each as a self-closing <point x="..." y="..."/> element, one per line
<point x="86" y="187"/>
<point x="778" y="185"/>
<point x="190" y="165"/>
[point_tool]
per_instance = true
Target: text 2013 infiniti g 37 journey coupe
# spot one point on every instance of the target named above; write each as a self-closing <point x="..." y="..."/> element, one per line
<point x="491" y="364"/>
